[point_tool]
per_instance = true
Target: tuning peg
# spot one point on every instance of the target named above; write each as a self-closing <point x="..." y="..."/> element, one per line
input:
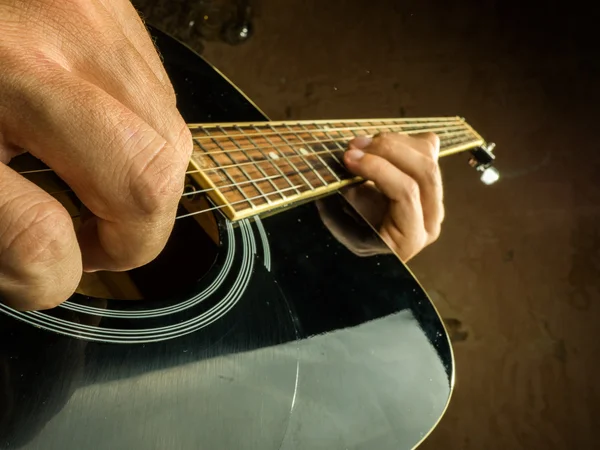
<point x="490" y="175"/>
<point x="482" y="160"/>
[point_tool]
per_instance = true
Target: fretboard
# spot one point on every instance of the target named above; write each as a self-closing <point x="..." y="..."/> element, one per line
<point x="252" y="168"/>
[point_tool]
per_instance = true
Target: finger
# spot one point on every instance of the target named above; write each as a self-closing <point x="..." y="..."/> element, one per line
<point x="403" y="228"/>
<point x="40" y="261"/>
<point x="417" y="157"/>
<point x="134" y="29"/>
<point x="127" y="174"/>
<point x="119" y="69"/>
<point x="8" y="151"/>
<point x="428" y="144"/>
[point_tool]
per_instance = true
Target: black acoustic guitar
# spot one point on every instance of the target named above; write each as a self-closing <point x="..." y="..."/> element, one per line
<point x="276" y="317"/>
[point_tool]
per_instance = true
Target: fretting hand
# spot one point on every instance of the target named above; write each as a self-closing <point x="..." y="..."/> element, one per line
<point x="403" y="196"/>
<point x="83" y="89"/>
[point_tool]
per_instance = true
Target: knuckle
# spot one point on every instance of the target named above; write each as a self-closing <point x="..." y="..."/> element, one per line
<point x="431" y="172"/>
<point x="38" y="256"/>
<point x="158" y="185"/>
<point x="45" y="236"/>
<point x="185" y="142"/>
<point x="435" y="231"/>
<point x="376" y="168"/>
<point x="422" y="239"/>
<point x="386" y="139"/>
<point x="411" y="192"/>
<point x="384" y="135"/>
<point x="41" y="296"/>
<point x="384" y="144"/>
<point x="431" y="142"/>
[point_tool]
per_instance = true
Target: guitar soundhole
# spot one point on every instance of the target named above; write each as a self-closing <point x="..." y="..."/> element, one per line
<point x="198" y="278"/>
<point x="189" y="254"/>
<point x="187" y="258"/>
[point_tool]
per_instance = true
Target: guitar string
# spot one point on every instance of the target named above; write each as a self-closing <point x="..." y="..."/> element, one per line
<point x="201" y="191"/>
<point x="450" y="125"/>
<point x="206" y="127"/>
<point x="245" y="163"/>
<point x="182" y="216"/>
<point x="318" y="163"/>
<point x="237" y="184"/>
<point x="284" y="144"/>
<point x="396" y="121"/>
<point x="25" y="172"/>
<point x="245" y="200"/>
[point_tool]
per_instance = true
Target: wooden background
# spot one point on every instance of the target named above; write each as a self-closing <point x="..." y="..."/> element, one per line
<point x="516" y="270"/>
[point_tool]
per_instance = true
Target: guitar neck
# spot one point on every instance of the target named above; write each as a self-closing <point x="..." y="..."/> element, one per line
<point x="253" y="168"/>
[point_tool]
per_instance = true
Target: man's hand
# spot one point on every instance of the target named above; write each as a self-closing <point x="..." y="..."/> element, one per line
<point x="83" y="89"/>
<point x="403" y="197"/>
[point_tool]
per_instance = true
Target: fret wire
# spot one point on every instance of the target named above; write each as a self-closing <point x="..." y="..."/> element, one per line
<point x="455" y="129"/>
<point x="345" y="138"/>
<point x="222" y="168"/>
<point x="276" y="166"/>
<point x="434" y="124"/>
<point x="291" y="145"/>
<point x="257" y="166"/>
<point x="377" y="127"/>
<point x="201" y="191"/>
<point x="467" y="133"/>
<point x="258" y="189"/>
<point x="326" y="151"/>
<point x="371" y="126"/>
<point x="459" y="138"/>
<point x="232" y="203"/>
<point x="325" y="128"/>
<point x="446" y="133"/>
<point x="470" y="136"/>
<point x="245" y="163"/>
<point x="308" y="183"/>
<point x="314" y="153"/>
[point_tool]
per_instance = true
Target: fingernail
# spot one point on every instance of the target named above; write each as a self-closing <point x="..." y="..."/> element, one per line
<point x="355" y="154"/>
<point x="361" y="141"/>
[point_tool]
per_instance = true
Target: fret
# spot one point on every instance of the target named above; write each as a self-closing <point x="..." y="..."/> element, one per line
<point x="333" y="140"/>
<point x="325" y="128"/>
<point x="287" y="162"/>
<point x="363" y="131"/>
<point x="276" y="166"/>
<point x="439" y="124"/>
<point x="243" y="152"/>
<point x="261" y="170"/>
<point x="299" y="172"/>
<point x="343" y="173"/>
<point x="314" y="153"/>
<point x="306" y="161"/>
<point x="297" y="159"/>
<point x="218" y="167"/>
<point x="241" y="169"/>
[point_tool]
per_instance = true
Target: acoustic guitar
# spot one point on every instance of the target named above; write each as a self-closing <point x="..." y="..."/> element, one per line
<point x="276" y="317"/>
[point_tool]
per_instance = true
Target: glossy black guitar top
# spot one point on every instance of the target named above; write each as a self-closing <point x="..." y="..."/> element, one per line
<point x="265" y="333"/>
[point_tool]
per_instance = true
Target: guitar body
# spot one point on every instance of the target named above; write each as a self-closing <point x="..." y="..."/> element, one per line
<point x="264" y="333"/>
